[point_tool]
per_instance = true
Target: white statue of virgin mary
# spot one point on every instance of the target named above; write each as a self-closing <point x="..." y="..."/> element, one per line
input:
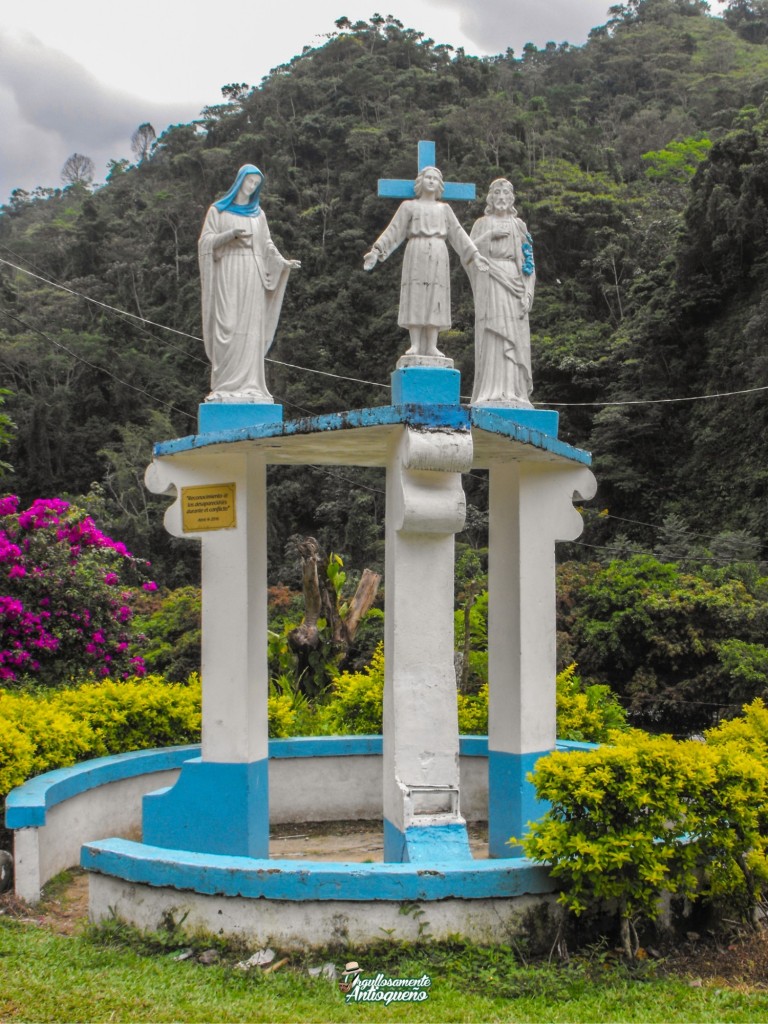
<point x="243" y="277"/>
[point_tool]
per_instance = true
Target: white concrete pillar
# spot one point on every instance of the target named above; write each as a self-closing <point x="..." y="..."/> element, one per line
<point x="28" y="878"/>
<point x="425" y="508"/>
<point x="220" y="802"/>
<point x="531" y="507"/>
<point x="234" y="646"/>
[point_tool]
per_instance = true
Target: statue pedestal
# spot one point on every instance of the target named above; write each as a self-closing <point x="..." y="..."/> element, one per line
<point x="546" y="421"/>
<point x="430" y="362"/>
<point x="215" y="416"/>
<point x="425" y="384"/>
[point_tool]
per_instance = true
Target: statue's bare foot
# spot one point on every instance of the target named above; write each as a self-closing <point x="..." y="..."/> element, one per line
<point x="412" y="352"/>
<point x="435" y="352"/>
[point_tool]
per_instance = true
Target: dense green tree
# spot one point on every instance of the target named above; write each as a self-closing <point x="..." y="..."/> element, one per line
<point x="749" y="18"/>
<point x="681" y="648"/>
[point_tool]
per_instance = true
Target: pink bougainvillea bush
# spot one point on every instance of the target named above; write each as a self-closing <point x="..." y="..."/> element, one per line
<point x="65" y="606"/>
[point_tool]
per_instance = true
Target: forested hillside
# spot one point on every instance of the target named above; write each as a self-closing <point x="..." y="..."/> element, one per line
<point x="641" y="165"/>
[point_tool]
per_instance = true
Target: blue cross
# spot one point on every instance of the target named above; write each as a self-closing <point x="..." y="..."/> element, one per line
<point x="400" y="188"/>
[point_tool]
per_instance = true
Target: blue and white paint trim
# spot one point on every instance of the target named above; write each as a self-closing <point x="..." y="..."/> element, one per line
<point x="27" y="805"/>
<point x="418" y="401"/>
<point x="426" y="844"/>
<point x="313" y="880"/>
<point x="512" y="801"/>
<point x="54" y="814"/>
<point x="213" y="808"/>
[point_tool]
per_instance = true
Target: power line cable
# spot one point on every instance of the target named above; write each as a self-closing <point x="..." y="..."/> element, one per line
<point x="653" y="554"/>
<point x="174" y="330"/>
<point x="652" y="526"/>
<point x="97" y="302"/>
<point x="378" y="384"/>
<point x="169" y="405"/>
<point x="346" y="479"/>
<point x="673" y="700"/>
<point x="658" y="401"/>
<point x="121" y="313"/>
<point x="188" y="415"/>
<point x="94" y="366"/>
<point x="326" y="373"/>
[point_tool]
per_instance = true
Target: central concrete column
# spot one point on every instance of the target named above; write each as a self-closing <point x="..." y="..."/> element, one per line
<point x="425" y="508"/>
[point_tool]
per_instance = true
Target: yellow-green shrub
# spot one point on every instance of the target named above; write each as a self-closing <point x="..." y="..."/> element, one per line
<point x="473" y="712"/>
<point x="17" y="755"/>
<point x="586" y="713"/>
<point x="137" y="713"/>
<point x="289" y="711"/>
<point x="648" y="814"/>
<point x="57" y="728"/>
<point x="54" y="729"/>
<point x="57" y="738"/>
<point x="356" y="702"/>
<point x="282" y="715"/>
<point x="750" y="730"/>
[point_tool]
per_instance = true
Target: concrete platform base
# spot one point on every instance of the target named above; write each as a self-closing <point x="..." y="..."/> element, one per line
<point x="287" y="924"/>
<point x="313" y="903"/>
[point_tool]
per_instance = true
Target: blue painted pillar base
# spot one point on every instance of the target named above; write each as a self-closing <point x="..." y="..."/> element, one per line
<point x="212" y="808"/>
<point x="426" y="385"/>
<point x="425" y="844"/>
<point x="215" y="416"/>
<point x="512" y="801"/>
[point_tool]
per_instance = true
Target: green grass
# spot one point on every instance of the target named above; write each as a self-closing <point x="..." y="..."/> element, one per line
<point x="111" y="974"/>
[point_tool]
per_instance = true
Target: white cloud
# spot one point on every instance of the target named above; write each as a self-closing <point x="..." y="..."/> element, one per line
<point x="495" y="25"/>
<point x="51" y="106"/>
<point x="79" y="78"/>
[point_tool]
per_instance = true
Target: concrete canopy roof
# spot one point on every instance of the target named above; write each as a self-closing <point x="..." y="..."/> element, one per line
<point x="361" y="437"/>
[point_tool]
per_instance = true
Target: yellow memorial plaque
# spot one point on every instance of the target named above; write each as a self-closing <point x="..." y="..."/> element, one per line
<point x="208" y="508"/>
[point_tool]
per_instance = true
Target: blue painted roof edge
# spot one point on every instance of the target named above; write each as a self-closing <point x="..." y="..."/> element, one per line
<point x="485" y="419"/>
<point x="454" y="417"/>
<point x="212" y="874"/>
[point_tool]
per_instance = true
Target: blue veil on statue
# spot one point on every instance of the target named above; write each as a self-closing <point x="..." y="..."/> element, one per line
<point x="241" y="298"/>
<point x="252" y="207"/>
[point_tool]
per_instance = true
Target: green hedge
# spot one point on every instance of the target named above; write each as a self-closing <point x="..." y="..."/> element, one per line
<point x="56" y="728"/>
<point x="644" y="815"/>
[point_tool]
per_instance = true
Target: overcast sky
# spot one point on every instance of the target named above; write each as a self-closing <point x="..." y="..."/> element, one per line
<point x="77" y="77"/>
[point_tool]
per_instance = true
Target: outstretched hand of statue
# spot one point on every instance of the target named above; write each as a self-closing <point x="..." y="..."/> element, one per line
<point x="481" y="263"/>
<point x="293" y="264"/>
<point x="370" y="260"/>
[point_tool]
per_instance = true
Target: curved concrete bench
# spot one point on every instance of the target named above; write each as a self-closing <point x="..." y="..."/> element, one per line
<point x="299" y="904"/>
<point x="56" y="814"/>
